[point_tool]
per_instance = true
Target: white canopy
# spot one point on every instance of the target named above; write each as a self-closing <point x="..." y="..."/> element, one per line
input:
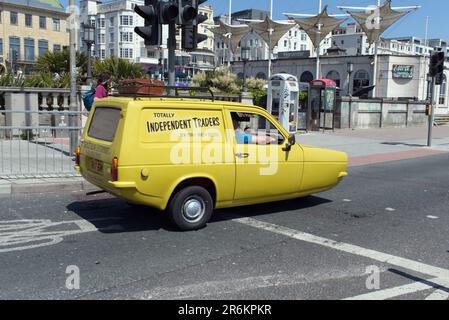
<point x="264" y="27"/>
<point x="321" y="24"/>
<point x="375" y="21"/>
<point x="235" y="32"/>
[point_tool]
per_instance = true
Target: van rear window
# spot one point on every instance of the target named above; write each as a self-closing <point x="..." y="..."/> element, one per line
<point x="104" y="123"/>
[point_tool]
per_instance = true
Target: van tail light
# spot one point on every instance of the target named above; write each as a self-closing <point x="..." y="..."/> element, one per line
<point x="77" y="156"/>
<point x="114" y="169"/>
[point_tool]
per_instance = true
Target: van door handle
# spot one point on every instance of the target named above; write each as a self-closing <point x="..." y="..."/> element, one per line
<point x="242" y="155"/>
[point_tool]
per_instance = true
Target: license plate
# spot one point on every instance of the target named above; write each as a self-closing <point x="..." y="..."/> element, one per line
<point x="96" y="166"/>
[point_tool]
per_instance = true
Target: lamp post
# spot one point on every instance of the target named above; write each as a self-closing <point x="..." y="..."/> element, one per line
<point x="350" y="70"/>
<point x="245" y="51"/>
<point x="89" y="40"/>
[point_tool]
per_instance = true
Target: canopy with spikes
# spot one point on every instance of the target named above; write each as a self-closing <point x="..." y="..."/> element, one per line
<point x="264" y="27"/>
<point x="377" y="20"/>
<point x="237" y="32"/>
<point x="311" y="26"/>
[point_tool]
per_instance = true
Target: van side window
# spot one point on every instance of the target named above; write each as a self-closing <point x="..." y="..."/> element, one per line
<point x="252" y="128"/>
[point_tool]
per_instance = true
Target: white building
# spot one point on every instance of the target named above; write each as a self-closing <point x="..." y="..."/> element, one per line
<point x="114" y="29"/>
<point x="115" y="37"/>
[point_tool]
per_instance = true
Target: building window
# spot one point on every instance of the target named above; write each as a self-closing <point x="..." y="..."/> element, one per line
<point x="29" y="50"/>
<point x="42" y="22"/>
<point x="102" y="54"/>
<point x="28" y="20"/>
<point x="111" y="52"/>
<point x="14" y="48"/>
<point x="126" y="20"/>
<point x="111" y="21"/>
<point x="56" y="24"/>
<point x="1" y="47"/>
<point x="1" y="13"/>
<point x="111" y="37"/>
<point x="56" y="48"/>
<point x="42" y="47"/>
<point x="13" y="18"/>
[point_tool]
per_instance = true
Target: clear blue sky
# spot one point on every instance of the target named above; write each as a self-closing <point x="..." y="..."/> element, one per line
<point x="414" y="24"/>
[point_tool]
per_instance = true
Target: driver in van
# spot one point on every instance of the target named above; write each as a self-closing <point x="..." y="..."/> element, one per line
<point x="247" y="136"/>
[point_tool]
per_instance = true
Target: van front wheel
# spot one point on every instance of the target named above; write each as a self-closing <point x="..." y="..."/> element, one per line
<point x="191" y="208"/>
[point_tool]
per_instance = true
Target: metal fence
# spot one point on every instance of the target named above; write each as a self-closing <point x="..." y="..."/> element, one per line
<point x="35" y="132"/>
<point x="43" y="150"/>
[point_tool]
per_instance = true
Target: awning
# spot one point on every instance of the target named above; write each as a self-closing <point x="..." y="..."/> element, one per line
<point x="321" y="25"/>
<point x="278" y="30"/>
<point x="235" y="32"/>
<point x="377" y="20"/>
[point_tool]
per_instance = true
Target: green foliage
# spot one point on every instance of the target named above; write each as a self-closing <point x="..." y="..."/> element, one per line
<point x="37" y="80"/>
<point x="59" y="62"/>
<point x="221" y="80"/>
<point x="257" y="88"/>
<point x="119" y="69"/>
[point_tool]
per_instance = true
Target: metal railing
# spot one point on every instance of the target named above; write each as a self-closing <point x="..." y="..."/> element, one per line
<point x="40" y="148"/>
<point x="35" y="133"/>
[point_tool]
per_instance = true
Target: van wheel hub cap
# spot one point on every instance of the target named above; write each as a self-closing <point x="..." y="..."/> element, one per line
<point x="193" y="209"/>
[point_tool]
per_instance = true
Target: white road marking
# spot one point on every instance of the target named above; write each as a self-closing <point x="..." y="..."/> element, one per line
<point x="17" y="235"/>
<point x="230" y="286"/>
<point x="438" y="295"/>
<point x="441" y="275"/>
<point x="398" y="291"/>
<point x="390" y="209"/>
<point x="347" y="200"/>
<point x="432" y="217"/>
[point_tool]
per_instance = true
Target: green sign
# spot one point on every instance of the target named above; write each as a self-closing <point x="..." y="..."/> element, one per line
<point x="402" y="71"/>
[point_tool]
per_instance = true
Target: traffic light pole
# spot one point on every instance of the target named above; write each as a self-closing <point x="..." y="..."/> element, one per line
<point x="432" y="113"/>
<point x="171" y="52"/>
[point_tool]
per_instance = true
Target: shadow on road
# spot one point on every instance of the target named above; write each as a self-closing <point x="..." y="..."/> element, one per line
<point x="113" y="215"/>
<point x="418" y="279"/>
<point x="403" y="144"/>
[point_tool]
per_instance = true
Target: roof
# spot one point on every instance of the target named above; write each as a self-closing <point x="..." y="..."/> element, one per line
<point x="186" y="102"/>
<point x="52" y="5"/>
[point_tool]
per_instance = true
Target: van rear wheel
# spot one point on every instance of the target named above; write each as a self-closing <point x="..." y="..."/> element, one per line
<point x="191" y="208"/>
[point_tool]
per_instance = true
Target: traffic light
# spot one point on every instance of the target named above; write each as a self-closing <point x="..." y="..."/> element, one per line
<point x="190" y="19"/>
<point x="152" y="31"/>
<point x="436" y="70"/>
<point x="168" y="11"/>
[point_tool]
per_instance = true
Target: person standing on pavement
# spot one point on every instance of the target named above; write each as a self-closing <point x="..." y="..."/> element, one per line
<point x="103" y="82"/>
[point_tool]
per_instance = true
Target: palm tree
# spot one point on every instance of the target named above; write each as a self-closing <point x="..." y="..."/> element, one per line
<point x="119" y="69"/>
<point x="59" y="62"/>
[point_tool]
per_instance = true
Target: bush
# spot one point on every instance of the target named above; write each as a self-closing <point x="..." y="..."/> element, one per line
<point x="221" y="79"/>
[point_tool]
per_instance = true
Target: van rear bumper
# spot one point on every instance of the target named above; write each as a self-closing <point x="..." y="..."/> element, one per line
<point x="127" y="191"/>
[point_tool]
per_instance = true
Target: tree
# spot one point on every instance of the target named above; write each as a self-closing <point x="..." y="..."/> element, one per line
<point x="119" y="69"/>
<point x="58" y="62"/>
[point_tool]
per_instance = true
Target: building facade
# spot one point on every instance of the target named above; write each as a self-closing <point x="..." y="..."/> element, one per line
<point x="28" y="29"/>
<point x="399" y="76"/>
<point x="114" y="37"/>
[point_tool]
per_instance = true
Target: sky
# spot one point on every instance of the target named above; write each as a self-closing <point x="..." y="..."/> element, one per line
<point x="412" y="25"/>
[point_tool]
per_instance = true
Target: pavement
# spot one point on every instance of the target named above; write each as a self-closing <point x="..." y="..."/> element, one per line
<point x="380" y="234"/>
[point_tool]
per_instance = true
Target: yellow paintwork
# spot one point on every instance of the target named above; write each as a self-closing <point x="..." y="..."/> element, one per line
<point x="145" y="144"/>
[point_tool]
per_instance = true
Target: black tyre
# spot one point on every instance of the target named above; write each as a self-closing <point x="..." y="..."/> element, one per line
<point x="191" y="208"/>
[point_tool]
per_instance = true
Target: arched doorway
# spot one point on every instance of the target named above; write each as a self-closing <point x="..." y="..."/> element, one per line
<point x="306" y="76"/>
<point x="361" y="79"/>
<point x="261" y="75"/>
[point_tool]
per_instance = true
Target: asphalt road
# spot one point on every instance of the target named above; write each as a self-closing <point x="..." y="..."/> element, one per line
<point x="381" y="234"/>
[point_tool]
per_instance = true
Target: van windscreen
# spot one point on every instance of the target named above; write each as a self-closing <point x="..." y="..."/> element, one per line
<point x="104" y="123"/>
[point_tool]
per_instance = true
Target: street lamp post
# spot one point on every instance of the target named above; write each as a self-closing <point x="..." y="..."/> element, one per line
<point x="350" y="70"/>
<point x="89" y="40"/>
<point x="245" y="51"/>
